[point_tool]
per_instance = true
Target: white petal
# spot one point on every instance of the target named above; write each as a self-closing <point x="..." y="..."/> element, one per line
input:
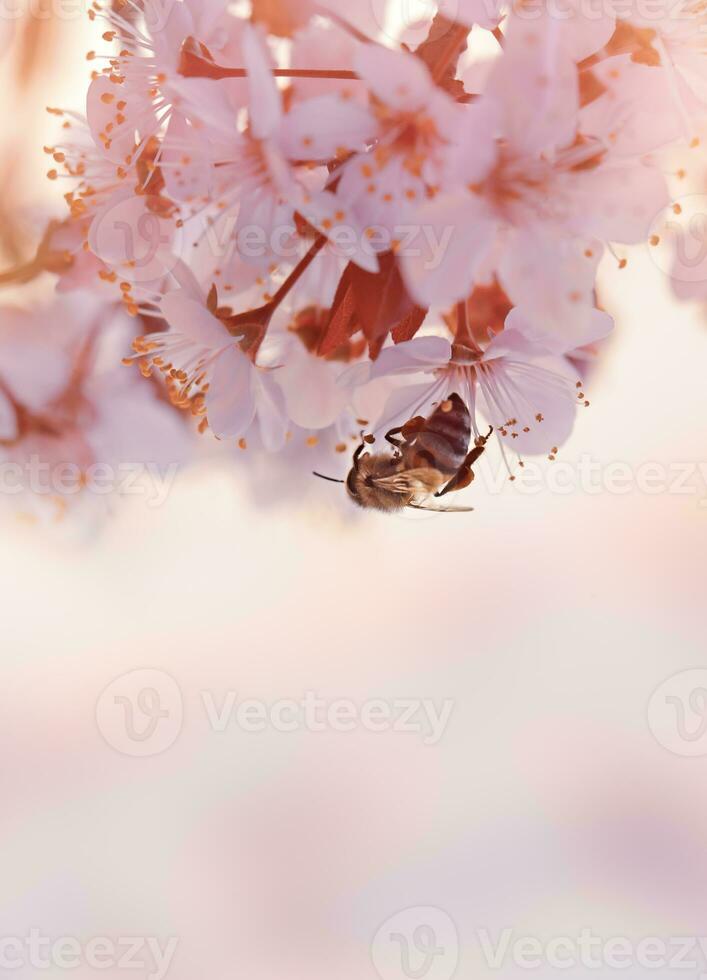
<point x="314" y="399"/>
<point x="36" y="373"/>
<point x="187" y="316"/>
<point x="552" y="279"/>
<point x="618" y="203"/>
<point x="413" y="356"/>
<point x="265" y="99"/>
<point x="270" y="408"/>
<point x="484" y="13"/>
<point x="598" y="325"/>
<point x="456" y="233"/>
<point x="535" y="83"/>
<point x="397" y="78"/>
<point x="230" y="400"/>
<point x="335" y="219"/>
<point x="316" y="129"/>
<point x="539" y="394"/>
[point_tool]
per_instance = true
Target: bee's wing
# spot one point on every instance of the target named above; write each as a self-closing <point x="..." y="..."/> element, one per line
<point x="443" y="510"/>
<point x="425" y="480"/>
<point x="413" y="482"/>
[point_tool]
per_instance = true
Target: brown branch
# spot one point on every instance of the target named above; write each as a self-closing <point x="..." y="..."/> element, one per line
<point x="194" y="65"/>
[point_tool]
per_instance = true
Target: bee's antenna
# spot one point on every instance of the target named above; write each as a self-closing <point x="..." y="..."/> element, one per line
<point x="329" y="478"/>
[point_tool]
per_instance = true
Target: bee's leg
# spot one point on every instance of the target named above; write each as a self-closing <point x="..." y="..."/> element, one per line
<point x="408" y="432"/>
<point x="414" y="427"/>
<point x="392" y="438"/>
<point x="482" y="440"/>
<point x="465" y="474"/>
<point x="357" y="455"/>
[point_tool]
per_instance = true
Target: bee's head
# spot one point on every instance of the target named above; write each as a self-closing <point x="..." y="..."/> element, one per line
<point x="362" y="482"/>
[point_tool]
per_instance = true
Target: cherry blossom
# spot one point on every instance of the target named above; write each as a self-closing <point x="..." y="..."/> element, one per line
<point x="415" y="121"/>
<point x="209" y="372"/>
<point x="520" y="208"/>
<point x="321" y="222"/>
<point x="527" y="393"/>
<point x="69" y="415"/>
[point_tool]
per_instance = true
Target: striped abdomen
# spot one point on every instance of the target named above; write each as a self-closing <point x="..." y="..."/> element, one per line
<point x="444" y="441"/>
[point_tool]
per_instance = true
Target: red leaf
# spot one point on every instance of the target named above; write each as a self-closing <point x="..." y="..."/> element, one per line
<point x="381" y="301"/>
<point x="408" y="327"/>
<point x="342" y="320"/>
<point x="441" y="52"/>
<point x="375" y="303"/>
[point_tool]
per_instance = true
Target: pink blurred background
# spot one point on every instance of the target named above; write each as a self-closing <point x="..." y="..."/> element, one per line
<point x="550" y="805"/>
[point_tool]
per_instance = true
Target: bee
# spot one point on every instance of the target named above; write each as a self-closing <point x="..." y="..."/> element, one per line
<point x="430" y="458"/>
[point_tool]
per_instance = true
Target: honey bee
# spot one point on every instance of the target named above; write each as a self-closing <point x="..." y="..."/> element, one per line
<point x="430" y="459"/>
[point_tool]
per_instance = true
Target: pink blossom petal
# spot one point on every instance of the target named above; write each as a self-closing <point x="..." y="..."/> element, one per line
<point x="265" y="99"/>
<point x="455" y="235"/>
<point x="189" y="317"/>
<point x="587" y="28"/>
<point x="537" y="392"/>
<point x="186" y="161"/>
<point x="169" y="25"/>
<point x="133" y="240"/>
<point x="35" y="372"/>
<point x="319" y="128"/>
<point x="397" y="78"/>
<point x="321" y="45"/>
<point x="270" y="409"/>
<point x="313" y="397"/>
<point x="484" y="13"/>
<point x="636" y="113"/>
<point x="230" y="400"/>
<point x="475" y="148"/>
<point x="598" y="325"/>
<point x="407" y="401"/>
<point x="413" y="356"/>
<point x="619" y="203"/>
<point x="552" y="279"/>
<point x="131" y="424"/>
<point x="332" y="217"/>
<point x="208" y="105"/>
<point x="535" y="83"/>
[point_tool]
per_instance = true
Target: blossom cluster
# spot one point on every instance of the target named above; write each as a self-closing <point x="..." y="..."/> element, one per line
<point x="317" y="226"/>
